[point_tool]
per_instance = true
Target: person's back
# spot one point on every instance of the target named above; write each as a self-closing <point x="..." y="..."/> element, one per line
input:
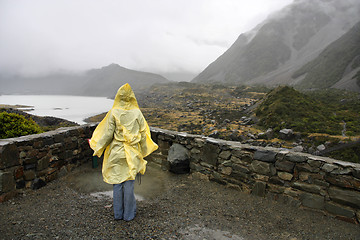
<point x="125" y="137"/>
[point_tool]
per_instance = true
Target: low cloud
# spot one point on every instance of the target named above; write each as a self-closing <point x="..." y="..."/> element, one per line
<point x="41" y="36"/>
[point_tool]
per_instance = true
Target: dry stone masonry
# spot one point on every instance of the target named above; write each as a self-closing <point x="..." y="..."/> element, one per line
<point x="29" y="162"/>
<point x="299" y="179"/>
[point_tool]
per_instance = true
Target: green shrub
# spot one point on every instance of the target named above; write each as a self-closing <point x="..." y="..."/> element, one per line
<point x="318" y="112"/>
<point x="351" y="154"/>
<point x="15" y="125"/>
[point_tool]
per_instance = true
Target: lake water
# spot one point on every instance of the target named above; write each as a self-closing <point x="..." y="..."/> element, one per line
<point x="72" y="108"/>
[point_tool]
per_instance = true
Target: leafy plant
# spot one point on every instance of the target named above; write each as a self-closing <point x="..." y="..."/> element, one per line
<point x="15" y="125"/>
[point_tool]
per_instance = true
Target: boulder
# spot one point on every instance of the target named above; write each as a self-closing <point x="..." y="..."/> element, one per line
<point x="321" y="147"/>
<point x="38" y="183"/>
<point x="297" y="149"/>
<point x="214" y="134"/>
<point x="286" y="134"/>
<point x="269" y="133"/>
<point x="179" y="159"/>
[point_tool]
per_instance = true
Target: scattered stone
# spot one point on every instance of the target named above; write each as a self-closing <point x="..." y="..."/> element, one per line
<point x="321" y="147"/>
<point x="269" y="133"/>
<point x="198" y="175"/>
<point x="246" y="121"/>
<point x="38" y="183"/>
<point x="179" y="159"/>
<point x="214" y="134"/>
<point x="63" y="172"/>
<point x="286" y="134"/>
<point x="226" y="121"/>
<point x="252" y="136"/>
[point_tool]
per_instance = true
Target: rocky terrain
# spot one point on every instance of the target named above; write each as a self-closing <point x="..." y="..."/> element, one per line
<point x="240" y="113"/>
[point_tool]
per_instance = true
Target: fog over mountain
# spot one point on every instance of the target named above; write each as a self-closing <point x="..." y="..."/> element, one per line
<point x="95" y="82"/>
<point x="337" y="66"/>
<point x="284" y="43"/>
<point x="107" y="80"/>
<point x="39" y="37"/>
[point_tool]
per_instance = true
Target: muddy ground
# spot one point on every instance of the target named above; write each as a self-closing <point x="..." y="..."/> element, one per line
<point x="169" y="207"/>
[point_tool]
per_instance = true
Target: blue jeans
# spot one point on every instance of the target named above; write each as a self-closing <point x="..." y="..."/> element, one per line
<point x="124" y="201"/>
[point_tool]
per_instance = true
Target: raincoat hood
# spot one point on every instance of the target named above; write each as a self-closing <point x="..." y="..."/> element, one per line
<point x="125" y="137"/>
<point x="125" y="98"/>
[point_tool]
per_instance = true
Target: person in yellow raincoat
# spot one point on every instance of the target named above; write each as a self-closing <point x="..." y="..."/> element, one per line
<point x="125" y="137"/>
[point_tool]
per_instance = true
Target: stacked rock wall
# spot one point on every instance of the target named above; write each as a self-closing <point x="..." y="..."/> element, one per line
<point x="324" y="184"/>
<point x="31" y="161"/>
<point x="320" y="183"/>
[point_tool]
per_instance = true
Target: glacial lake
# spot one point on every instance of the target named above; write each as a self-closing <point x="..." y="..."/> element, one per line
<point x="72" y="108"/>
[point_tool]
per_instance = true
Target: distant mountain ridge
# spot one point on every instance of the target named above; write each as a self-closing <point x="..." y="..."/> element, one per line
<point x="274" y="50"/>
<point x="95" y="82"/>
<point x="107" y="80"/>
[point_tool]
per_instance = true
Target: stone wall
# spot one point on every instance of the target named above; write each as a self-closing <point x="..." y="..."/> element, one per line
<point x="29" y="162"/>
<point x="324" y="184"/>
<point x="299" y="179"/>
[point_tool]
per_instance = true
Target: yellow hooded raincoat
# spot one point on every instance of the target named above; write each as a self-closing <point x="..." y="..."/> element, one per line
<point x="125" y="136"/>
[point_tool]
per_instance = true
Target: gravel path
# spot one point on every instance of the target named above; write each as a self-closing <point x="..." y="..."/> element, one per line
<point x="187" y="208"/>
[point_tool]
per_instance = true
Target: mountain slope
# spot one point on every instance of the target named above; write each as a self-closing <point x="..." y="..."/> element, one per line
<point x="334" y="63"/>
<point x="282" y="44"/>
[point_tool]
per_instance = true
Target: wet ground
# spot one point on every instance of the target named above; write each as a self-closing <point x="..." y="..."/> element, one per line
<point x="89" y="181"/>
<point x="170" y="206"/>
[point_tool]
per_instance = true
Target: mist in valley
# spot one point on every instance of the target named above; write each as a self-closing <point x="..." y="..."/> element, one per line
<point x="203" y="67"/>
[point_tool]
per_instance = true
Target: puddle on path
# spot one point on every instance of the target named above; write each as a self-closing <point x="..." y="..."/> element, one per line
<point x="199" y="232"/>
<point x="89" y="181"/>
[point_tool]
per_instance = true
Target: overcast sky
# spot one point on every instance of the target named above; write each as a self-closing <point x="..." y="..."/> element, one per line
<point x="41" y="36"/>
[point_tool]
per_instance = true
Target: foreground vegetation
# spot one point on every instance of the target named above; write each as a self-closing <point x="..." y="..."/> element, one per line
<point x="331" y="111"/>
<point x="16" y="123"/>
